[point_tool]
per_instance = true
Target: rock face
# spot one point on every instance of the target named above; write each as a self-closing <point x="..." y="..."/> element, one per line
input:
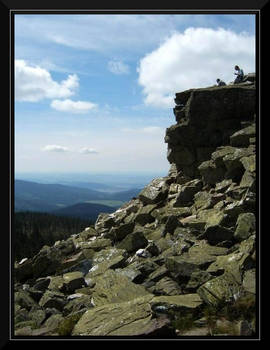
<point x="206" y="119"/>
<point x="186" y="244"/>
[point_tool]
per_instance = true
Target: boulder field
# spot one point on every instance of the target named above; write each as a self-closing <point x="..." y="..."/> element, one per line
<point x="177" y="261"/>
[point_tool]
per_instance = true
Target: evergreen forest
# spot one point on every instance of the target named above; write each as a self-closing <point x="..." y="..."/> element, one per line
<point x="32" y="230"/>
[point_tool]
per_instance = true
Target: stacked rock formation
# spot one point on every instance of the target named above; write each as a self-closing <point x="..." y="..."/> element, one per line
<point x="185" y="245"/>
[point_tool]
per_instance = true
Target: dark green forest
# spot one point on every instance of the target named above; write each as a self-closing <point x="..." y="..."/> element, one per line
<point x="32" y="230"/>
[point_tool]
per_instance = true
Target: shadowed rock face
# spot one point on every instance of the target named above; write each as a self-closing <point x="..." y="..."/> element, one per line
<point x="186" y="243"/>
<point x="206" y="121"/>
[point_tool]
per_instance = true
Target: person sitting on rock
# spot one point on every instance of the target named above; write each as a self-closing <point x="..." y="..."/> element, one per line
<point x="240" y="75"/>
<point x="220" y="82"/>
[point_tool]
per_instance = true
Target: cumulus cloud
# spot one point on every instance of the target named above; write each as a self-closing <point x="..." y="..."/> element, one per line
<point x="118" y="67"/>
<point x="55" y="148"/>
<point x="77" y="107"/>
<point x="87" y="150"/>
<point x="33" y="83"/>
<point x="191" y="59"/>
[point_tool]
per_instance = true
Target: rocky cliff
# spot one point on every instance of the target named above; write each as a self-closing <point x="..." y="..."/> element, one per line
<point x="179" y="259"/>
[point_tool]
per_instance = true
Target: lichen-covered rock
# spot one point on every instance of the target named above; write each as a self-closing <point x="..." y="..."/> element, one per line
<point x="197" y="278"/>
<point x="120" y="232"/>
<point x="46" y="261"/>
<point x="53" y="321"/>
<point x="154" y="192"/>
<point x="212" y="217"/>
<point x="130" y="318"/>
<point x="52" y="299"/>
<point x="23" y="299"/>
<point x="115" y="261"/>
<point x="73" y="280"/>
<point x="144" y="216"/>
<point x="203" y="200"/>
<point x="66" y="247"/>
<point x="112" y="287"/>
<point x="177" y="302"/>
<point x="167" y="286"/>
<point x="248" y="181"/>
<point x="241" y="137"/>
<point x="187" y="192"/>
<point x="38" y="316"/>
<point x="249" y="163"/>
<point x="220" y="153"/>
<point x="210" y="172"/>
<point x="79" y="303"/>
<point x="217" y="233"/>
<point x="133" y="242"/>
<point x="234" y="263"/>
<point x="219" y="290"/>
<point x="249" y="281"/>
<point x="180" y="267"/>
<point x="245" y="226"/>
<point x="89" y="232"/>
<point x="104" y="222"/>
<point x="97" y="244"/>
<point x="193" y="222"/>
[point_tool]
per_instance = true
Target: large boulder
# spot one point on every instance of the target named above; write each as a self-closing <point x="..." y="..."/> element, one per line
<point x="187" y="192"/>
<point x="242" y="137"/>
<point x="154" y="192"/>
<point x="53" y="299"/>
<point x="220" y="290"/>
<point x="130" y="318"/>
<point x="112" y="287"/>
<point x="117" y="233"/>
<point x="23" y="270"/>
<point x="133" y="242"/>
<point x="46" y="262"/>
<point x="245" y="226"/>
<point x="73" y="280"/>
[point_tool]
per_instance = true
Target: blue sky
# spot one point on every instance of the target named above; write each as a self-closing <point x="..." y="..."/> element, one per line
<point x="94" y="93"/>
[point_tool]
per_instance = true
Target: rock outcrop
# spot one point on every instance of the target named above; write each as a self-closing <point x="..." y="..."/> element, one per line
<point x="185" y="246"/>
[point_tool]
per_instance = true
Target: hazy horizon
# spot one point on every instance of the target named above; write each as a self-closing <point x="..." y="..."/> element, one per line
<point x="119" y="180"/>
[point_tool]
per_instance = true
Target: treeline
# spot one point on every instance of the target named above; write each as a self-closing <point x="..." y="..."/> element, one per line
<point x="32" y="230"/>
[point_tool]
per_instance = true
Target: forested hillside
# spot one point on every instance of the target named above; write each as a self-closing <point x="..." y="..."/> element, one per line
<point x="32" y="230"/>
<point x="33" y="196"/>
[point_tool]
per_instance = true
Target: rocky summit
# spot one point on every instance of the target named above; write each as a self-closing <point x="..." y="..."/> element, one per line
<point x="177" y="261"/>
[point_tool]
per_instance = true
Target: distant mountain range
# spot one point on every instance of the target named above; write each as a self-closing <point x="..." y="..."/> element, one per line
<point x="67" y="200"/>
<point x="89" y="211"/>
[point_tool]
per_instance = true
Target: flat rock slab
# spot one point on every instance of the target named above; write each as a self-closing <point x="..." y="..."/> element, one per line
<point x="184" y="301"/>
<point x="131" y="318"/>
<point x="112" y="287"/>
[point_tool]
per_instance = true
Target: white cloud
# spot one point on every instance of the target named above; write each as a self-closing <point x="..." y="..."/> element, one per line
<point x="77" y="107"/>
<point x="33" y="83"/>
<point x="192" y="59"/>
<point x="55" y="148"/>
<point x="87" y="150"/>
<point x="118" y="67"/>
